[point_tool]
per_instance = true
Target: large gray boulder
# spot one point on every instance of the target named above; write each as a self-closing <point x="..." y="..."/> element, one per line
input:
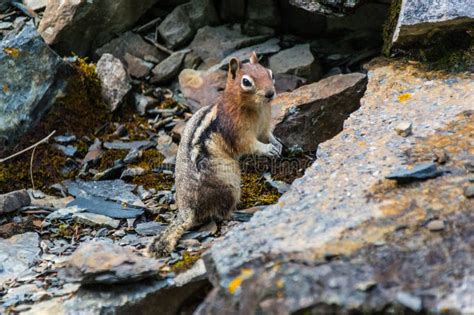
<point x="81" y="26"/>
<point x="32" y="77"/>
<point x="181" y="24"/>
<point x="417" y="18"/>
<point x="346" y="239"/>
<point x="297" y="60"/>
<point x="212" y="44"/>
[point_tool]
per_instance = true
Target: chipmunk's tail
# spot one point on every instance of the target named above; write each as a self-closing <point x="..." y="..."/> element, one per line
<point x="163" y="244"/>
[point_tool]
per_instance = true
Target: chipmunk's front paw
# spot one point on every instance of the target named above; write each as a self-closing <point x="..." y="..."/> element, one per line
<point x="276" y="142"/>
<point x="160" y="247"/>
<point x="272" y="150"/>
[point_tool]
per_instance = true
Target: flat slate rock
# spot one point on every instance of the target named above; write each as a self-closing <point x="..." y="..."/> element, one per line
<point x="95" y="219"/>
<point x="107" y="208"/>
<point x="417" y="172"/>
<point x="101" y="262"/>
<point x="17" y="254"/>
<point x="149" y="228"/>
<point x="113" y="190"/>
<point x="121" y="145"/>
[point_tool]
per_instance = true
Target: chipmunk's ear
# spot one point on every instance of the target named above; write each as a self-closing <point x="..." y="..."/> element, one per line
<point x="234" y="66"/>
<point x="253" y="58"/>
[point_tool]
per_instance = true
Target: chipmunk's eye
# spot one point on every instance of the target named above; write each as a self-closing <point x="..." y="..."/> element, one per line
<point x="247" y="82"/>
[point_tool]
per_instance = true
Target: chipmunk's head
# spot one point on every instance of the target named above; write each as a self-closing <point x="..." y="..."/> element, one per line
<point x="254" y="83"/>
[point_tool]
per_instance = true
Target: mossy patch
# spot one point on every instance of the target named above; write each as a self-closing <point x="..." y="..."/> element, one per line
<point x="79" y="112"/>
<point x="186" y="263"/>
<point x="390" y="25"/>
<point x="255" y="192"/>
<point x="453" y="52"/>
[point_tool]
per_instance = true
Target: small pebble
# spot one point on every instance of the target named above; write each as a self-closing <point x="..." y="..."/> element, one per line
<point x="410" y="301"/>
<point x="469" y="191"/>
<point x="404" y="128"/>
<point x="435" y="225"/>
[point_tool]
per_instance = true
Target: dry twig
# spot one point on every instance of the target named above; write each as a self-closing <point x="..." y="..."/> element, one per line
<point x="29" y="148"/>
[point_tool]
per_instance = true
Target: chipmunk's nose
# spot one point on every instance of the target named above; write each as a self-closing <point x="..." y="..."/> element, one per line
<point x="269" y="94"/>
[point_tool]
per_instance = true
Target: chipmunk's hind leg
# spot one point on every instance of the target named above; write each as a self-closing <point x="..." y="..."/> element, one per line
<point x="163" y="244"/>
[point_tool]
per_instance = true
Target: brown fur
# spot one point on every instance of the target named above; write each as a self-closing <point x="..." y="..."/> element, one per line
<point x="207" y="167"/>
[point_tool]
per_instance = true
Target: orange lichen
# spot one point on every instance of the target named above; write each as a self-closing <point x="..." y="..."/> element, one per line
<point x="12" y="52"/>
<point x="404" y="97"/>
<point x="235" y="283"/>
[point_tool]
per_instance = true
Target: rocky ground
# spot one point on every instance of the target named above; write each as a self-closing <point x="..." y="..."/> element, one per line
<point x="368" y="209"/>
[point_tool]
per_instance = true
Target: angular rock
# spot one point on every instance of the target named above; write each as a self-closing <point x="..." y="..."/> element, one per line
<point x="316" y="112"/>
<point x="133" y="156"/>
<point x="136" y="67"/>
<point x="414" y="172"/>
<point x="201" y="88"/>
<point x="212" y="44"/>
<point x="131" y="44"/>
<point x="269" y="47"/>
<point x="176" y="29"/>
<point x="33" y="76"/>
<point x="287" y="82"/>
<point x="149" y="228"/>
<point x="35" y="4"/>
<point x="14" y="200"/>
<point x="98" y="205"/>
<point x="121" y="145"/>
<point x="168" y="148"/>
<point x="67" y="24"/>
<point x="336" y="231"/>
<point x="179" y="27"/>
<point x="297" y="60"/>
<point x="65" y="139"/>
<point x="264" y="12"/>
<point x="17" y="254"/>
<point x="168" y="68"/>
<point x="132" y="172"/>
<point x="326" y="7"/>
<point x="94" y="153"/>
<point x="103" y="262"/>
<point x="94" y="219"/>
<point x="113" y="190"/>
<point x="418" y="18"/>
<point x="68" y="150"/>
<point x="114" y="80"/>
<point x="63" y="213"/>
<point x="143" y="102"/>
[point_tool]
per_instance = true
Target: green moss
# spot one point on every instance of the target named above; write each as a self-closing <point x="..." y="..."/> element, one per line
<point x="186" y="263"/>
<point x="80" y="112"/>
<point x="110" y="156"/>
<point x="67" y="231"/>
<point x="256" y="192"/>
<point x="390" y="25"/>
<point x="451" y="52"/>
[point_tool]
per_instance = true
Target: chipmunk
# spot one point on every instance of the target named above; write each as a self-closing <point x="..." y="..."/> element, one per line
<point x="207" y="167"/>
